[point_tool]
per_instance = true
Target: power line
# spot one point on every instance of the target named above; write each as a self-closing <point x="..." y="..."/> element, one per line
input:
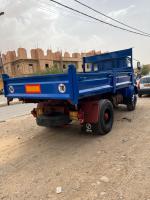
<point x="131" y="27"/>
<point x="63" y="12"/>
<point x="101" y="21"/>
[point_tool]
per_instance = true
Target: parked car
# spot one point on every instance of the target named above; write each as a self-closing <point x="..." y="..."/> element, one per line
<point x="144" y="86"/>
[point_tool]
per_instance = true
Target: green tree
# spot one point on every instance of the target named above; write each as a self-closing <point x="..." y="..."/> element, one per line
<point x="52" y="70"/>
<point x="145" y="70"/>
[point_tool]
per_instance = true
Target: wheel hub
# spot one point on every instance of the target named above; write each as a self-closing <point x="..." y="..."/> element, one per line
<point x="106" y="116"/>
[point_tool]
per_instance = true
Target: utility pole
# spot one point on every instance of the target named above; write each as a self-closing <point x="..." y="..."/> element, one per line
<point x="1" y="65"/>
<point x="1" y="62"/>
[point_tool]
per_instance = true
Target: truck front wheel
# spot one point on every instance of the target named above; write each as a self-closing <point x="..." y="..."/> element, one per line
<point x="131" y="103"/>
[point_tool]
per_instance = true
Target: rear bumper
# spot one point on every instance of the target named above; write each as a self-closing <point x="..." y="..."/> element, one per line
<point x="52" y="121"/>
<point x="144" y="91"/>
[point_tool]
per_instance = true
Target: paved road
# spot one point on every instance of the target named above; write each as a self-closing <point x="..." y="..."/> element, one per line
<point x="34" y="160"/>
<point x="12" y="111"/>
<point x="3" y="99"/>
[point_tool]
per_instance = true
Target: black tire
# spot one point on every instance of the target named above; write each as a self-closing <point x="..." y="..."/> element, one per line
<point x="139" y="95"/>
<point x="105" y="125"/>
<point x="131" y="103"/>
<point x="105" y="121"/>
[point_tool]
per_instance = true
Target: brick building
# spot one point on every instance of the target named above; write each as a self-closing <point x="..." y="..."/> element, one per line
<point x="16" y="64"/>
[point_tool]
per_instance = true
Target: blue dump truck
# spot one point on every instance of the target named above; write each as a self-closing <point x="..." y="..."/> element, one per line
<point x="89" y="97"/>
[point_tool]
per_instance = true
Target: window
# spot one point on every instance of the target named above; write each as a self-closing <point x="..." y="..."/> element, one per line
<point x="95" y="67"/>
<point x="30" y="68"/>
<point x="55" y="65"/>
<point x="88" y="67"/>
<point x="46" y="66"/>
<point x="124" y="62"/>
<point x="129" y="63"/>
<point x="106" y="65"/>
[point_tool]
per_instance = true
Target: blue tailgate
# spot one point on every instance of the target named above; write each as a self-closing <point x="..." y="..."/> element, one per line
<point x="49" y="86"/>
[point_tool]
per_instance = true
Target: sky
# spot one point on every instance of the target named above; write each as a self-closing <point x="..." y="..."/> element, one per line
<point x="43" y="24"/>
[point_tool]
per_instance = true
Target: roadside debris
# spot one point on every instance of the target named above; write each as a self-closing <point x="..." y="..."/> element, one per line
<point x="102" y="193"/>
<point x="124" y="140"/>
<point x="127" y="119"/>
<point x="59" y="190"/>
<point x="104" y="179"/>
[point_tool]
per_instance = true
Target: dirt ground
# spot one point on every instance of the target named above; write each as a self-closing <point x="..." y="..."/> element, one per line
<point x="34" y="161"/>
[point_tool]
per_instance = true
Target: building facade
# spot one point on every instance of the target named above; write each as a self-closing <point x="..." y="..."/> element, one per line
<point x="16" y="64"/>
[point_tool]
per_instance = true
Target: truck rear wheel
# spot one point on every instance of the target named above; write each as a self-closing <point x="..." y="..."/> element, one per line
<point x="106" y="116"/>
<point x="139" y="95"/>
<point x="105" y="119"/>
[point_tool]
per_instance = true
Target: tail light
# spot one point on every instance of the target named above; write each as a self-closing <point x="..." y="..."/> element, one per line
<point x="33" y="88"/>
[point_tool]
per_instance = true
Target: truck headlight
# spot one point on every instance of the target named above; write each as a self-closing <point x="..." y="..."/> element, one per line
<point x="62" y="88"/>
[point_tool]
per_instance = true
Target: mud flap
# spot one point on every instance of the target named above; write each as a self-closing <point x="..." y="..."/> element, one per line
<point x="52" y="121"/>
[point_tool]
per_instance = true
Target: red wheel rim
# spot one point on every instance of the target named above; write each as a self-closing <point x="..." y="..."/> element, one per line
<point x="106" y="116"/>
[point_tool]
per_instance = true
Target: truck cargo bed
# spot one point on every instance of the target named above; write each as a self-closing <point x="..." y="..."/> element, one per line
<point x="109" y="76"/>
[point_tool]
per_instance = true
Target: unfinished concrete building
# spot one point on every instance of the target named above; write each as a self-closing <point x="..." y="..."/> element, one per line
<point x="16" y="64"/>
